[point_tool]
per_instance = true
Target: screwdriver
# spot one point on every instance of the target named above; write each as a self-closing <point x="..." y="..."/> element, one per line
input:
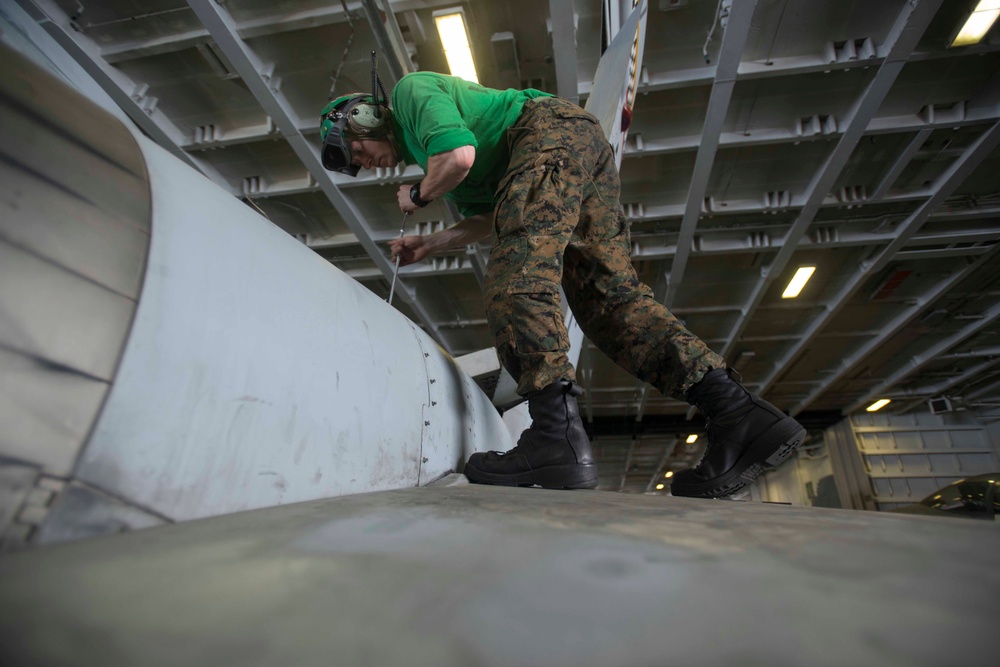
<point x="395" y="271"/>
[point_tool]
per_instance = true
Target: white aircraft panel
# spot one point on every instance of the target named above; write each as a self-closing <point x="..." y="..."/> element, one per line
<point x="259" y="374"/>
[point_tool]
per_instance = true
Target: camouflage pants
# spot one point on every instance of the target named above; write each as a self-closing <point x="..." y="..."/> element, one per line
<point x="558" y="222"/>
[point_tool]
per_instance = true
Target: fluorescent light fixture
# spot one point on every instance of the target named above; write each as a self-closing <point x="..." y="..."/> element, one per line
<point x="670" y="473"/>
<point x="455" y="40"/>
<point x="692" y="439"/>
<point x="978" y="23"/>
<point x="878" y="405"/>
<point x="798" y="281"/>
<point x="659" y="487"/>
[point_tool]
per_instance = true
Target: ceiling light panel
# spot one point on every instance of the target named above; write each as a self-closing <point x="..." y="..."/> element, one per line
<point x="451" y="27"/>
<point x="978" y="23"/>
<point x="798" y="282"/>
<point x="878" y="405"/>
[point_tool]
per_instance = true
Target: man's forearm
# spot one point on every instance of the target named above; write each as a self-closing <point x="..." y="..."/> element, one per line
<point x="462" y="233"/>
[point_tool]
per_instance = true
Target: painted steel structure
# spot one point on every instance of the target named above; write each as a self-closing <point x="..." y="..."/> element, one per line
<point x="890" y="461"/>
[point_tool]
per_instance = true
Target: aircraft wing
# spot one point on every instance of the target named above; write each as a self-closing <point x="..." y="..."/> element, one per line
<point x="617" y="79"/>
<point x="478" y="575"/>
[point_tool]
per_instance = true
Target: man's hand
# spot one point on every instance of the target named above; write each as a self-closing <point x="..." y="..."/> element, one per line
<point x="410" y="249"/>
<point x="444" y="172"/>
<point x="403" y="196"/>
<point x="465" y="232"/>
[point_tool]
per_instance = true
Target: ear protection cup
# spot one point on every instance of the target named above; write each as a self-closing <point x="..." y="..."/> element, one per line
<point x="368" y="120"/>
<point x="357" y="116"/>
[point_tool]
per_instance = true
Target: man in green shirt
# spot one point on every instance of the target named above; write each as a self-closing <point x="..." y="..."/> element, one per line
<point x="538" y="174"/>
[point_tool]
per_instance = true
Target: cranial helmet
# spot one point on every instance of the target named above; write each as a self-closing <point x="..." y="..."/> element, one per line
<point x="349" y="117"/>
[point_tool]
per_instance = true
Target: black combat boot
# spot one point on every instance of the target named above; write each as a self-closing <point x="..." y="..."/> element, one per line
<point x="554" y="452"/>
<point x="746" y="434"/>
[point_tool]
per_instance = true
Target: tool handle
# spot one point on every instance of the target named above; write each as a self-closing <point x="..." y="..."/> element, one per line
<point x="395" y="272"/>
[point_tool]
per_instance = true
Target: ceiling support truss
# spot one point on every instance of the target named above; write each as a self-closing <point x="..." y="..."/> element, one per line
<point x="776" y="136"/>
<point x="892" y="328"/>
<point x="894" y="171"/>
<point x="279" y="22"/>
<point x="922" y="394"/>
<point x="562" y="14"/>
<point x="130" y="95"/>
<point x="944" y="186"/>
<point x="909" y="27"/>
<point x="389" y="38"/>
<point x="628" y="463"/>
<point x="255" y="74"/>
<point x="731" y="51"/>
<point x="668" y="451"/>
<point x="778" y="67"/>
<point x="733" y="43"/>
<point x="916" y="363"/>
<point x="967" y="242"/>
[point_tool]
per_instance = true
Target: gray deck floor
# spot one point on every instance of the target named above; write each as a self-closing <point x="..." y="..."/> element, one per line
<point x="470" y="575"/>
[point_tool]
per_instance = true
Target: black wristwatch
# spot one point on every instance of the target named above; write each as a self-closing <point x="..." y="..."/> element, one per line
<point x="415" y="196"/>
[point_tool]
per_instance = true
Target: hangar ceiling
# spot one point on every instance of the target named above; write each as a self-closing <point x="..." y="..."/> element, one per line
<point x="839" y="134"/>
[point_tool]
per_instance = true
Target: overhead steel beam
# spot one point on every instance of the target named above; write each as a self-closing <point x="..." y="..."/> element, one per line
<point x="911" y="255"/>
<point x="892" y="328"/>
<point x="389" y="38"/>
<point x="642" y="147"/>
<point x="615" y="404"/>
<point x="477" y="262"/>
<point x="916" y="363"/>
<point x="713" y="244"/>
<point x="257" y="78"/>
<point x="906" y="32"/>
<point x="453" y="264"/>
<point x="585" y="372"/>
<point x="901" y="162"/>
<point x="640" y="410"/>
<point x="562" y="14"/>
<point x="154" y="46"/>
<point x="778" y="67"/>
<point x="974" y="353"/>
<point x="731" y="52"/>
<point x="737" y="242"/>
<point x="756" y="206"/>
<point x="130" y="95"/>
<point x="945" y="185"/>
<point x="282" y="21"/>
<point x="628" y="463"/>
<point x="987" y="390"/>
<point x="944" y="386"/>
<point x="473" y="253"/>
<point x="464" y="323"/>
<point x="326" y="14"/>
<point x="667" y="451"/>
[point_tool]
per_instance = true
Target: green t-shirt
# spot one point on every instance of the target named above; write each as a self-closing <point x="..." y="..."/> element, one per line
<point x="434" y="113"/>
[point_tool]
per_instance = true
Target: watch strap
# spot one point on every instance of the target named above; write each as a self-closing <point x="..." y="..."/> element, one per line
<point x="415" y="196"/>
